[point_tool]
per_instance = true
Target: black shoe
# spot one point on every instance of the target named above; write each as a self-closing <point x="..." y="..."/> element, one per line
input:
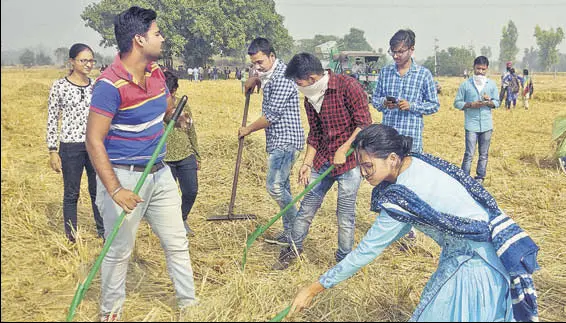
<point x="286" y="257"/>
<point x="278" y="239"/>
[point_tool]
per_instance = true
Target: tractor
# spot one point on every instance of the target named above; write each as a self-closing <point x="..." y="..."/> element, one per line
<point x="362" y="65"/>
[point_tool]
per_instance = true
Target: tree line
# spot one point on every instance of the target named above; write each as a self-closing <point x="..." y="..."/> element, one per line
<point x="197" y="31"/>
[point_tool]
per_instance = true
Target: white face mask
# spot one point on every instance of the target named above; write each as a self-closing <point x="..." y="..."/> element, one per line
<point x="479" y="81"/>
<point x="264" y="77"/>
<point x="315" y="92"/>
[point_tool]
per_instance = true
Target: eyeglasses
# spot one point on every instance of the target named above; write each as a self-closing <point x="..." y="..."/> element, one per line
<point x="394" y="53"/>
<point x="87" y="61"/>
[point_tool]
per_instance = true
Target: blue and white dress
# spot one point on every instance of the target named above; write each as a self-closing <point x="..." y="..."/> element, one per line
<point x="471" y="282"/>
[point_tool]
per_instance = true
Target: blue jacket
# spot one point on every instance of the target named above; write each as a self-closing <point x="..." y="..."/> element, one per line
<point x="476" y="119"/>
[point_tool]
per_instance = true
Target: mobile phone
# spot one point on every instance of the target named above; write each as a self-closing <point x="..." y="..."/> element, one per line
<point x="391" y="99"/>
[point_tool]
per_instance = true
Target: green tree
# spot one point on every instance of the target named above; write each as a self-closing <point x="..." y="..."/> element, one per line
<point x="61" y="55"/>
<point x="452" y="61"/>
<point x="43" y="59"/>
<point x="508" y="49"/>
<point x="355" y="40"/>
<point x="486" y="51"/>
<point x="547" y="41"/>
<point x="561" y="66"/>
<point x="195" y="30"/>
<point x="27" y="58"/>
<point x="531" y="59"/>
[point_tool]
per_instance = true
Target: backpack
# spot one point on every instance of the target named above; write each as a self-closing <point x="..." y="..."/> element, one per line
<point x="514" y="84"/>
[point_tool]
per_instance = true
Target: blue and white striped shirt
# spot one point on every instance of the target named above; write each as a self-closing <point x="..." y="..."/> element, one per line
<point x="417" y="87"/>
<point x="280" y="106"/>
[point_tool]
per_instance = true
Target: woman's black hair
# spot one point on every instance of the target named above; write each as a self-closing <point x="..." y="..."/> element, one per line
<point x="77" y="48"/>
<point x="379" y="141"/>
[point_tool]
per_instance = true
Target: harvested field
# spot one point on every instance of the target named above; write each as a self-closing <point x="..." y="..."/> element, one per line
<point x="40" y="270"/>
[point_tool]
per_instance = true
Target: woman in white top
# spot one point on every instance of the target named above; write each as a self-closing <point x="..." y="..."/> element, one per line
<point x="69" y="103"/>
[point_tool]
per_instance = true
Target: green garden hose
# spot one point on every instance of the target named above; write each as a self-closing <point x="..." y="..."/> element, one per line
<point x="83" y="287"/>
<point x="261" y="229"/>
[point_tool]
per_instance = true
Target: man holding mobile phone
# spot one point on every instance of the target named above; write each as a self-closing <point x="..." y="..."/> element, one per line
<point x="476" y="97"/>
<point x="405" y="91"/>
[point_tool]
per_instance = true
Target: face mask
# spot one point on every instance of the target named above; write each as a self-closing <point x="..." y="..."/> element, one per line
<point x="264" y="77"/>
<point x="479" y="81"/>
<point x="315" y="92"/>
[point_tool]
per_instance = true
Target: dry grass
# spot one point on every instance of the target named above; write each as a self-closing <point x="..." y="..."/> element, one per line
<point x="40" y="270"/>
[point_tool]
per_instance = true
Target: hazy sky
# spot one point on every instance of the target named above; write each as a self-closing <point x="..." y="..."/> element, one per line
<point x="57" y="23"/>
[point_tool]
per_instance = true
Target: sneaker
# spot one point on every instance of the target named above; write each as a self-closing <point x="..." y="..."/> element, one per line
<point x="188" y="229"/>
<point x="286" y="257"/>
<point x="479" y="180"/>
<point x="278" y="239"/>
<point x="562" y="163"/>
<point x="114" y="317"/>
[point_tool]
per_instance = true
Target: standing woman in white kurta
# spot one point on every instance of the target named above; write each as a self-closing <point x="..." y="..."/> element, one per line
<point x="69" y="102"/>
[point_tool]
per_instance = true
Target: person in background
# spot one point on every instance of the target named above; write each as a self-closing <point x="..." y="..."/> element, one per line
<point x="69" y="102"/>
<point x="190" y="73"/>
<point x="513" y="82"/>
<point x="337" y="110"/>
<point x="482" y="275"/>
<point x="528" y="88"/>
<point x="196" y="74"/>
<point x="504" y="83"/>
<point x="183" y="157"/>
<point x="284" y="134"/>
<point x="245" y="75"/>
<point x="129" y="103"/>
<point x="477" y="96"/>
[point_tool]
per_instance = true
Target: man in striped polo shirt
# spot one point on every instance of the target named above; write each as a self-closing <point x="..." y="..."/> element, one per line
<point x="125" y="123"/>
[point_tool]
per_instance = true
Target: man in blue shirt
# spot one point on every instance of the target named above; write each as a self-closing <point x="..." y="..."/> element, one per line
<point x="405" y="91"/>
<point x="477" y="96"/>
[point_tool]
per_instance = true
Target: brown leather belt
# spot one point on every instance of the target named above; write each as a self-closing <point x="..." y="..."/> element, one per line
<point x="140" y="168"/>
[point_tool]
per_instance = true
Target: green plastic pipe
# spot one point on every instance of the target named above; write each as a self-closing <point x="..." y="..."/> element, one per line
<point x="261" y="229"/>
<point x="281" y="315"/>
<point x="83" y="287"/>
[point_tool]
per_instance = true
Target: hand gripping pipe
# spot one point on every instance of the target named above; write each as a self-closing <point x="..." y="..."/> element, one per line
<point x="83" y="287"/>
<point x="261" y="229"/>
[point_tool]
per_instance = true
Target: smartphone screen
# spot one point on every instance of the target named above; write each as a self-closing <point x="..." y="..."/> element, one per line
<point x="391" y="99"/>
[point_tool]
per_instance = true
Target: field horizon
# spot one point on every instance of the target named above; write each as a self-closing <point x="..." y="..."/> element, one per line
<point x="41" y="270"/>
